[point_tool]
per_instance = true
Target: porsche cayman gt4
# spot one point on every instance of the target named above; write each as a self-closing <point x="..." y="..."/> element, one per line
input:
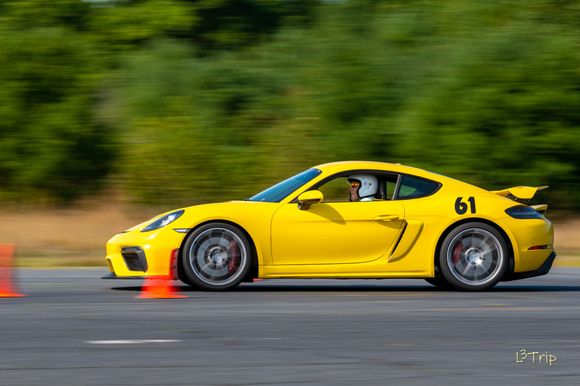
<point x="347" y="220"/>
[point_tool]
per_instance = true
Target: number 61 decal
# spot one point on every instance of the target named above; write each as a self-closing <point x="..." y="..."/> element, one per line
<point x="461" y="207"/>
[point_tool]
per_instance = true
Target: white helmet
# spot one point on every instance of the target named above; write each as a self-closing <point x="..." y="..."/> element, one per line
<point x="369" y="185"/>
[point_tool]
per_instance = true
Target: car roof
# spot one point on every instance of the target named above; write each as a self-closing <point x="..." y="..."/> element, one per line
<point x="337" y="167"/>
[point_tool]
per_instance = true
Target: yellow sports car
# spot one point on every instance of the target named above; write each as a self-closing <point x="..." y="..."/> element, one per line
<point x="351" y="219"/>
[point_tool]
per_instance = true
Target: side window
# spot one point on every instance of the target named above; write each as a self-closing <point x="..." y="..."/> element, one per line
<point x="415" y="187"/>
<point x="389" y="182"/>
<point x="335" y="190"/>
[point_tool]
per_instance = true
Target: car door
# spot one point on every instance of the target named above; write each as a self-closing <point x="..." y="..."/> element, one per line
<point x="335" y="232"/>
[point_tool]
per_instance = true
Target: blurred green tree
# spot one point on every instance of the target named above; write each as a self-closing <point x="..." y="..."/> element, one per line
<point x="51" y="146"/>
<point x="186" y="101"/>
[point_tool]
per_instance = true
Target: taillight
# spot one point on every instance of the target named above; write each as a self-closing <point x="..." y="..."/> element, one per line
<point x="523" y="212"/>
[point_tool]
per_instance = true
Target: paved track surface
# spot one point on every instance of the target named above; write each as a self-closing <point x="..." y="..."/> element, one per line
<point x="75" y="329"/>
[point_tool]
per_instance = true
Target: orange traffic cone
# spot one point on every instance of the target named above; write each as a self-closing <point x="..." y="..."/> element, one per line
<point x="158" y="287"/>
<point x="6" y="285"/>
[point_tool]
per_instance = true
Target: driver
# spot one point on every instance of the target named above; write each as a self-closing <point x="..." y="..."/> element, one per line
<point x="363" y="187"/>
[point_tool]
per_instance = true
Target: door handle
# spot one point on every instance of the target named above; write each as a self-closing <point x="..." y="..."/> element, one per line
<point x="387" y="217"/>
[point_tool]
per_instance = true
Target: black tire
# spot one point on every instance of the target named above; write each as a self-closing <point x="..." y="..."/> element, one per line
<point x="216" y="257"/>
<point x="438" y="282"/>
<point x="185" y="280"/>
<point x="473" y="257"/>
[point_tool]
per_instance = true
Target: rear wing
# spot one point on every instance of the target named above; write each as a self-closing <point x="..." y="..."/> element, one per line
<point x="520" y="192"/>
<point x="523" y="194"/>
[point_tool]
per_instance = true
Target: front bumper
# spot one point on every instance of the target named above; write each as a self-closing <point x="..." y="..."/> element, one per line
<point x="138" y="254"/>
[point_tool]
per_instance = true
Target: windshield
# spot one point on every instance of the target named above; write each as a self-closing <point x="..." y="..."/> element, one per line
<point x="282" y="189"/>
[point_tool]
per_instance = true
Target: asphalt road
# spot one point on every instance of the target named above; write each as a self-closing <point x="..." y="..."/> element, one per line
<point x="75" y="329"/>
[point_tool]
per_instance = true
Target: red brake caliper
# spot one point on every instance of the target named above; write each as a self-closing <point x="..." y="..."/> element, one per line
<point x="234" y="250"/>
<point x="457" y="252"/>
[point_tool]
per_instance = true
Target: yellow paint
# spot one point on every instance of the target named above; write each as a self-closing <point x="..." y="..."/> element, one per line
<point x="331" y="233"/>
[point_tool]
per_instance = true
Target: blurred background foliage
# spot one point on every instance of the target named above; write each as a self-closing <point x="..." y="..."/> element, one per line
<point x="187" y="101"/>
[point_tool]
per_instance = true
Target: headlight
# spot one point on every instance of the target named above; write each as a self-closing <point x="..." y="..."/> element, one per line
<point x="523" y="212"/>
<point x="163" y="221"/>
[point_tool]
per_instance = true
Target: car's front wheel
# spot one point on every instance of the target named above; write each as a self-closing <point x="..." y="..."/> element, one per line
<point x="473" y="257"/>
<point x="216" y="256"/>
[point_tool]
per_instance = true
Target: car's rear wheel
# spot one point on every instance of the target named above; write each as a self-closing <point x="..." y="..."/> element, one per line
<point x="216" y="256"/>
<point x="473" y="257"/>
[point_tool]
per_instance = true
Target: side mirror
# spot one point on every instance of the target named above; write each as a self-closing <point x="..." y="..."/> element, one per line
<point x="308" y="198"/>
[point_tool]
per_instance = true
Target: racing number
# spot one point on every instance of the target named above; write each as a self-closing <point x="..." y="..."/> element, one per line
<point x="461" y="207"/>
